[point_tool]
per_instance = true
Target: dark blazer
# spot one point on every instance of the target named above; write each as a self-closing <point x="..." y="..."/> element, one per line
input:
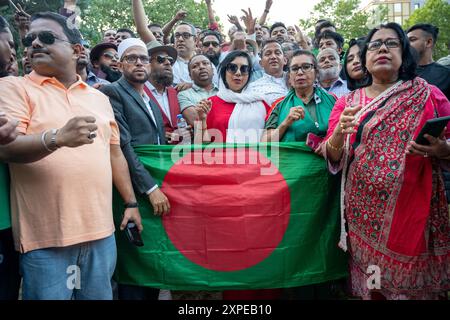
<point x="136" y="128"/>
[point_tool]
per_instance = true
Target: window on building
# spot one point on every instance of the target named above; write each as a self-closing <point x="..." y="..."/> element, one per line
<point x="397" y="7"/>
<point x="398" y="19"/>
<point x="416" y="6"/>
<point x="406" y="9"/>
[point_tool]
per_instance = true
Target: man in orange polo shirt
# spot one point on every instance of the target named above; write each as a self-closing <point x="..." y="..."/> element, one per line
<point x="62" y="165"/>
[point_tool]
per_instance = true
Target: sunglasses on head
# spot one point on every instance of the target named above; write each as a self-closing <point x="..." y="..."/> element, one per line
<point x="46" y="37"/>
<point x="233" y="68"/>
<point x="161" y="59"/>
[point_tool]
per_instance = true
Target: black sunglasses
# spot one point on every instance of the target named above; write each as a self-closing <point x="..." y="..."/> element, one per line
<point x="233" y="68"/>
<point x="162" y="59"/>
<point x="208" y="44"/>
<point x="46" y="37"/>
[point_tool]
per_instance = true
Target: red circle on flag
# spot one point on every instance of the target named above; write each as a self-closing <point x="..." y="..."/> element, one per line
<point x="228" y="211"/>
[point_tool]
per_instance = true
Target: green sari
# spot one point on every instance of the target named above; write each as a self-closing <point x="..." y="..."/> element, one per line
<point x="300" y="129"/>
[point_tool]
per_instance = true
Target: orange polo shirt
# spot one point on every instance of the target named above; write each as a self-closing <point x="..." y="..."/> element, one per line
<point x="65" y="198"/>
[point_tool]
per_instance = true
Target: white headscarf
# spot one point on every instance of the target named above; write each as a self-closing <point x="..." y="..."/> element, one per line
<point x="247" y="120"/>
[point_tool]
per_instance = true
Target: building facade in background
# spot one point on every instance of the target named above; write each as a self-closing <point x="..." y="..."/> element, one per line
<point x="396" y="10"/>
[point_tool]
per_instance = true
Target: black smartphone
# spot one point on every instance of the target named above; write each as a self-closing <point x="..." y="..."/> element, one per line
<point x="133" y="234"/>
<point x="433" y="127"/>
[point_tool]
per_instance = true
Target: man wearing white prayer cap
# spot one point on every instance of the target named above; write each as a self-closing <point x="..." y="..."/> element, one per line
<point x="140" y="122"/>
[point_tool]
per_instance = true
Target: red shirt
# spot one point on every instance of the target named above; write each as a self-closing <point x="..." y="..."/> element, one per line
<point x="219" y="116"/>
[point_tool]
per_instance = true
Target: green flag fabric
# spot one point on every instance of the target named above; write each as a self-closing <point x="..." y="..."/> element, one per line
<point x="242" y="217"/>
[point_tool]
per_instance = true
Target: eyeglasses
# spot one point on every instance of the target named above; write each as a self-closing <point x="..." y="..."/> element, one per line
<point x="46" y="37"/>
<point x="111" y="56"/>
<point x="210" y="43"/>
<point x="233" y="68"/>
<point x="185" y="35"/>
<point x="161" y="59"/>
<point x="132" y="59"/>
<point x="389" y="43"/>
<point x="306" y="67"/>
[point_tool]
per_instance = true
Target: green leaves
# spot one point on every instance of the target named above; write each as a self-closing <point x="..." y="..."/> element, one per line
<point x="350" y="21"/>
<point x="436" y="12"/>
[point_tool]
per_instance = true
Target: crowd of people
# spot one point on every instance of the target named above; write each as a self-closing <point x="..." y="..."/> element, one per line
<point x="71" y="115"/>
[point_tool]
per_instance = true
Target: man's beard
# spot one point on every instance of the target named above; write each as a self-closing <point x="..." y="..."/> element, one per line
<point x="215" y="59"/>
<point x="111" y="75"/>
<point x="328" y="74"/>
<point x="130" y="77"/>
<point x="163" y="79"/>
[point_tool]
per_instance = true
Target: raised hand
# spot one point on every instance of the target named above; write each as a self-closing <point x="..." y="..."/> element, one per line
<point x="233" y="20"/>
<point x="22" y="19"/>
<point x="249" y="21"/>
<point x="181" y="15"/>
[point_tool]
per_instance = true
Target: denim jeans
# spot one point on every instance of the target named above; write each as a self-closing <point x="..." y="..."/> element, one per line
<point x="78" y="272"/>
<point x="9" y="267"/>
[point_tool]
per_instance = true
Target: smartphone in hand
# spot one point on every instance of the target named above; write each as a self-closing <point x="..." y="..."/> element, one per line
<point x="133" y="234"/>
<point x="433" y="127"/>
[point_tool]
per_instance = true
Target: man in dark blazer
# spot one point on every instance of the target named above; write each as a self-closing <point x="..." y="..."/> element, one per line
<point x="140" y="122"/>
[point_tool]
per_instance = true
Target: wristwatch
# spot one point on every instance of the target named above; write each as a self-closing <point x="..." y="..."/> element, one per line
<point x="53" y="146"/>
<point x="131" y="205"/>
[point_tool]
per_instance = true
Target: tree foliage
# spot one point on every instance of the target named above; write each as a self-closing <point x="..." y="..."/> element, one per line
<point x="99" y="15"/>
<point x="350" y="21"/>
<point x="436" y="12"/>
<point x="106" y="14"/>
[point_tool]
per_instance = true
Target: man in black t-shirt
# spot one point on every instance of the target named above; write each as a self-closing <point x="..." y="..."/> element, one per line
<point x="423" y="38"/>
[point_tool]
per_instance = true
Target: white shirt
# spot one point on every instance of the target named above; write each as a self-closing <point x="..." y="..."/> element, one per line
<point x="272" y="88"/>
<point x="163" y="99"/>
<point x="181" y="72"/>
<point x="152" y="115"/>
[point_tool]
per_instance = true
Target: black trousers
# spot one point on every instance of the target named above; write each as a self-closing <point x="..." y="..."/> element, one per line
<point x="9" y="267"/>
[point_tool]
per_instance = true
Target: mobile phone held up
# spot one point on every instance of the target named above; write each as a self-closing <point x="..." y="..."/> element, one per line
<point x="133" y="234"/>
<point x="433" y="127"/>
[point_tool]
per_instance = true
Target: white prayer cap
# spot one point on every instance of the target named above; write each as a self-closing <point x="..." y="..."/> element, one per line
<point x="128" y="43"/>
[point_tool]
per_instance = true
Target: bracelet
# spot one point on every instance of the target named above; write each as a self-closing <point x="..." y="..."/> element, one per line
<point x="334" y="147"/>
<point x="266" y="11"/>
<point x="43" y="141"/>
<point x="130" y="205"/>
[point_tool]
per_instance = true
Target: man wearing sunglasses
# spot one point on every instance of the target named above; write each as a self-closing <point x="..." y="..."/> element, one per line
<point x="159" y="87"/>
<point x="211" y="47"/>
<point x="141" y="123"/>
<point x="104" y="60"/>
<point x="62" y="166"/>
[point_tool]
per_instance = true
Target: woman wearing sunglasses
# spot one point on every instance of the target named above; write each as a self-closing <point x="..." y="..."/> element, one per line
<point x="236" y="112"/>
<point x="306" y="108"/>
<point x="395" y="221"/>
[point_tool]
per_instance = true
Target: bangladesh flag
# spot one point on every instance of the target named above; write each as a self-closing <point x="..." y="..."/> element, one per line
<point x="242" y="217"/>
